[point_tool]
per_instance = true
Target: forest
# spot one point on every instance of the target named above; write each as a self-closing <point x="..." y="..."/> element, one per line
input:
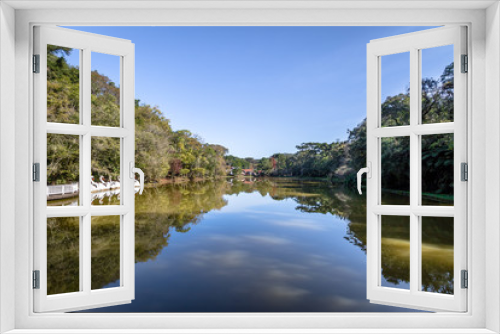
<point x="340" y="160"/>
<point x="163" y="153"/>
<point x="160" y="151"/>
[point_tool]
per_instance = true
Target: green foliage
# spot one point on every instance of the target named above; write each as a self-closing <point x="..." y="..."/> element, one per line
<point x="160" y="151"/>
<point x="63" y="87"/>
<point x="105" y="154"/>
<point x="265" y="166"/>
<point x="236" y="171"/>
<point x="396" y="163"/>
<point x="153" y="141"/>
<point x="342" y="159"/>
<point x="237" y="162"/>
<point x="62" y="159"/>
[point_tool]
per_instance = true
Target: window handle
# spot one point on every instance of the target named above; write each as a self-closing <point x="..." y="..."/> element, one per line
<point x="368" y="171"/>
<point x="133" y="171"/>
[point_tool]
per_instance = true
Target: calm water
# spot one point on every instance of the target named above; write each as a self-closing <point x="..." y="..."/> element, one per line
<point x="274" y="245"/>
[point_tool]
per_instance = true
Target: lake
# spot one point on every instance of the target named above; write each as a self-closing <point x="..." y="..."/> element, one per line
<point x="262" y="245"/>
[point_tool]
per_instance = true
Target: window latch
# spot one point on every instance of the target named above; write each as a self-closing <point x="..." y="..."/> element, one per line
<point x="368" y="171"/>
<point x="132" y="171"/>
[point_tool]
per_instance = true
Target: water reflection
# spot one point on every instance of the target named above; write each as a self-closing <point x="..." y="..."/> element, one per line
<point x="274" y="245"/>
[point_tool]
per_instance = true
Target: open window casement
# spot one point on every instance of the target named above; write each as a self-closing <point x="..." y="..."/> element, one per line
<point x="413" y="291"/>
<point x="69" y="139"/>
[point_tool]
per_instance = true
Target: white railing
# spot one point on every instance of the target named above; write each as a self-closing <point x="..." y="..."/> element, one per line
<point x="62" y="189"/>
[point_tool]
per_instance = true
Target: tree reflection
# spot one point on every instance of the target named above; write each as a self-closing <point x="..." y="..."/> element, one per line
<point x="161" y="210"/>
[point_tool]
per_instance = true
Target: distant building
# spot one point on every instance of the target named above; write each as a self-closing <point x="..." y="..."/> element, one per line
<point x="248" y="171"/>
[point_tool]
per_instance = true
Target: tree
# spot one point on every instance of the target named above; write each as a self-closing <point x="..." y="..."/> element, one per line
<point x="159" y="150"/>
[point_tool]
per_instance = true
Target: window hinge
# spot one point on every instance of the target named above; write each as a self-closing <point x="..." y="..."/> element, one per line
<point x="36" y="63"/>
<point x="464" y="171"/>
<point x="465" y="63"/>
<point x="36" y="279"/>
<point x="465" y="279"/>
<point x="36" y="172"/>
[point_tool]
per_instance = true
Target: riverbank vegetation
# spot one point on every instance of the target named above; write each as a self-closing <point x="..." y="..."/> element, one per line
<point x="341" y="159"/>
<point x="163" y="153"/>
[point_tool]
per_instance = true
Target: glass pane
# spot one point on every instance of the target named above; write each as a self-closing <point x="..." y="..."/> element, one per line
<point x="395" y="90"/>
<point x="105" y="259"/>
<point x="437" y="169"/>
<point x="395" y="171"/>
<point x="105" y="89"/>
<point x="437" y="84"/>
<point x="437" y="254"/>
<point x="396" y="252"/>
<point x="63" y="85"/>
<point x="63" y="169"/>
<point x="105" y="185"/>
<point x="63" y="255"/>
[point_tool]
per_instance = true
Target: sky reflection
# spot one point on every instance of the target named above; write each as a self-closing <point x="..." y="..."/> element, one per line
<point x="256" y="254"/>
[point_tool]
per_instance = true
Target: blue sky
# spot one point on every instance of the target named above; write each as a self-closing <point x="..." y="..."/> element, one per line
<point x="261" y="90"/>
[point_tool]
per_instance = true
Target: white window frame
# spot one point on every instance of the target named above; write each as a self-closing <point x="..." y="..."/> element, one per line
<point x="85" y="44"/>
<point x="413" y="43"/>
<point x="483" y="101"/>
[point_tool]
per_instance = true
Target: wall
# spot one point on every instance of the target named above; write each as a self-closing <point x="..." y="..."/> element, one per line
<point x="7" y="160"/>
<point x="263" y="17"/>
<point x="492" y="163"/>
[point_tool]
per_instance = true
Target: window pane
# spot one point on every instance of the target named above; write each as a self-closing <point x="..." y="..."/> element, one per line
<point x="396" y="251"/>
<point x="395" y="170"/>
<point x="395" y="90"/>
<point x="437" y="254"/>
<point x="105" y="89"/>
<point x="105" y="260"/>
<point x="437" y="169"/>
<point x="63" y="169"/>
<point x="63" y="255"/>
<point x="437" y="84"/>
<point x="105" y="185"/>
<point x="63" y="85"/>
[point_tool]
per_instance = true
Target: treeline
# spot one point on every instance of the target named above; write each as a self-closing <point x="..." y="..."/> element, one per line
<point x="160" y="152"/>
<point x="340" y="160"/>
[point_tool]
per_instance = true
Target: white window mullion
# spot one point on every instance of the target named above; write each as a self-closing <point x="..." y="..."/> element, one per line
<point x="86" y="254"/>
<point x="414" y="170"/>
<point x="373" y="183"/>
<point x="460" y="156"/>
<point x="40" y="156"/>
<point x="422" y="211"/>
<point x="81" y="258"/>
<point x="433" y="129"/>
<point x="108" y="210"/>
<point x="395" y="131"/>
<point x="85" y="72"/>
<point x="392" y="210"/>
<point x="86" y="105"/>
<point x="127" y="108"/>
<point x="414" y="253"/>
<point x="421" y="129"/>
